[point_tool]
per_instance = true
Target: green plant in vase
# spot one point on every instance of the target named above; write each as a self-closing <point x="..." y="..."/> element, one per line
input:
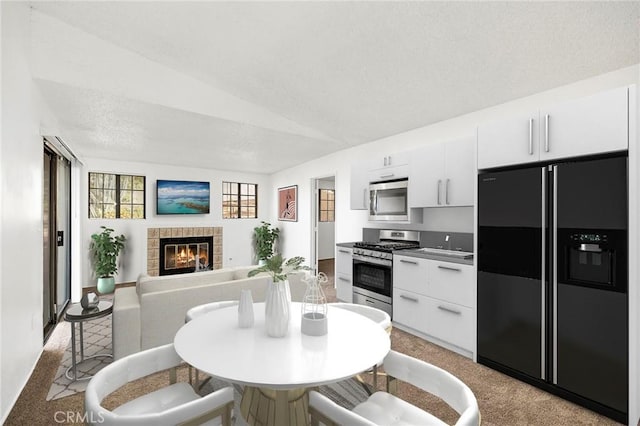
<point x="265" y="236"/>
<point x="278" y="297"/>
<point x="105" y="249"/>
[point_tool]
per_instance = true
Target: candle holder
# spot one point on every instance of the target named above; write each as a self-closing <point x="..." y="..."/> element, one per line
<point x="314" y="307"/>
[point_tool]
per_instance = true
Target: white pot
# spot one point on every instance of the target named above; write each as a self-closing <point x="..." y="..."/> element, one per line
<point x="277" y="307"/>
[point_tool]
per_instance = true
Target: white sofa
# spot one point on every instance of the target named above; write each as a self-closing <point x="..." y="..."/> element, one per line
<point x="150" y="314"/>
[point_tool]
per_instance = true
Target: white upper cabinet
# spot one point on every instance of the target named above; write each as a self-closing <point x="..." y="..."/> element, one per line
<point x="590" y="125"/>
<point x="442" y="174"/>
<point x="460" y="172"/>
<point x="359" y="186"/>
<point x="392" y="160"/>
<point x="510" y="141"/>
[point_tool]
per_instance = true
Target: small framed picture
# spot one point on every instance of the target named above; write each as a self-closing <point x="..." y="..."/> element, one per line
<point x="287" y="207"/>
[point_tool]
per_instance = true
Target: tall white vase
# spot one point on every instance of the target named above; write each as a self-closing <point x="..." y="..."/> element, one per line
<point x="277" y="308"/>
<point x="245" y="309"/>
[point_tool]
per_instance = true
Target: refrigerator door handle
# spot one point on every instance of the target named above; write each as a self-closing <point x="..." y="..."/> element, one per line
<point x="543" y="322"/>
<point x="555" y="275"/>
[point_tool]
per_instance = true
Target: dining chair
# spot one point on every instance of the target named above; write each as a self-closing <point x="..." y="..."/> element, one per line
<point x="378" y="316"/>
<point x="385" y="408"/>
<point x="195" y="312"/>
<point x="175" y="404"/>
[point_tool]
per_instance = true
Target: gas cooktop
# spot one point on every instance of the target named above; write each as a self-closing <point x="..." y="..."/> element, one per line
<point x="386" y="245"/>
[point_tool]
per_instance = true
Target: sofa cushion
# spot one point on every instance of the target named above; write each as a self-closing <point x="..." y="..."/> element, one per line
<point x="149" y="284"/>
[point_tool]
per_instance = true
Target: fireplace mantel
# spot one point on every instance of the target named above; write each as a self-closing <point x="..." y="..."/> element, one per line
<point x="153" y="244"/>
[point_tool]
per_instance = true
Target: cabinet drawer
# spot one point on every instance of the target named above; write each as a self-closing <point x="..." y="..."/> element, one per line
<point x="451" y="282"/>
<point x="344" y="288"/>
<point x="410" y="273"/>
<point x="344" y="261"/>
<point x="410" y="309"/>
<point x="450" y="322"/>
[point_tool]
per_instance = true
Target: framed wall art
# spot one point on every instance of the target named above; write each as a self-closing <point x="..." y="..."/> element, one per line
<point x="287" y="207"/>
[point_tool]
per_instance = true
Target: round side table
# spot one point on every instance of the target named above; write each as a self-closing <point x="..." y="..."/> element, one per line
<point x="76" y="314"/>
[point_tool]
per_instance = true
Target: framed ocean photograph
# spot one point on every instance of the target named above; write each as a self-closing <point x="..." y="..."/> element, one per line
<point x="287" y="208"/>
<point x="182" y="197"/>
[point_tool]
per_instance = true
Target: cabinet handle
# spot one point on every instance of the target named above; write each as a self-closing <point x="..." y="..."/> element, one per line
<point x="385" y="161"/>
<point x="387" y="176"/>
<point x="344" y="251"/>
<point x="446" y="192"/>
<point x="371" y="302"/>
<point x="546" y="133"/>
<point x="411" y="299"/>
<point x="449" y="268"/>
<point x="408" y="261"/>
<point x="444" y="308"/>
<point x="531" y="136"/>
<point x="439" y="182"/>
<point x="344" y="279"/>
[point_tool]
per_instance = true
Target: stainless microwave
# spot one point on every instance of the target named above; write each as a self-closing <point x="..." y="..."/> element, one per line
<point x="388" y="200"/>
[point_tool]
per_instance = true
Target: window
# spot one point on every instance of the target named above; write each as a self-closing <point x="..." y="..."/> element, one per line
<point x="327" y="211"/>
<point x="114" y="196"/>
<point x="239" y="200"/>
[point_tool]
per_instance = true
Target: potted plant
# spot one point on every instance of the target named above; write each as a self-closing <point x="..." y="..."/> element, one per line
<point x="266" y="237"/>
<point x="105" y="248"/>
<point x="278" y="297"/>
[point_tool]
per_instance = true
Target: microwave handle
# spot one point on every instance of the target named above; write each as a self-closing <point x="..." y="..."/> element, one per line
<point x="365" y="197"/>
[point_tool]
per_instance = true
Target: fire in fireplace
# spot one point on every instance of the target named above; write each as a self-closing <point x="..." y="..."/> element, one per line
<point x="184" y="255"/>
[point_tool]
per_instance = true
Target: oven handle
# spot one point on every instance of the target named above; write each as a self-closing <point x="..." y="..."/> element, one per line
<point x="372" y="260"/>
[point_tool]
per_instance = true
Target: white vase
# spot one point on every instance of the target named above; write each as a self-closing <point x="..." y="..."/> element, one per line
<point x="277" y="308"/>
<point x="245" y="309"/>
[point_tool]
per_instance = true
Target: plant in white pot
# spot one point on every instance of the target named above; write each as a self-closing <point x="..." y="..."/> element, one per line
<point x="278" y="296"/>
<point x="105" y="249"/>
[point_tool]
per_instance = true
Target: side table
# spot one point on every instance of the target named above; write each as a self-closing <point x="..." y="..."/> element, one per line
<point x="76" y="314"/>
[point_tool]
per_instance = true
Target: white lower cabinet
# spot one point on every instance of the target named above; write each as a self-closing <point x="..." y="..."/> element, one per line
<point x="344" y="274"/>
<point x="435" y="300"/>
<point x="451" y="323"/>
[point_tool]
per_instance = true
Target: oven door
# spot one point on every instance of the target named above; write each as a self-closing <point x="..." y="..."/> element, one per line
<point x="373" y="275"/>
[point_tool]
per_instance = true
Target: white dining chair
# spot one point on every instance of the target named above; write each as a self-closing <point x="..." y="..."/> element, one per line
<point x="376" y="315"/>
<point x="175" y="404"/>
<point x="199" y="310"/>
<point x="195" y="312"/>
<point x="384" y="408"/>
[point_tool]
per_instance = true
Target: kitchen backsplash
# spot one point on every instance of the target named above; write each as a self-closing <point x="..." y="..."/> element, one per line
<point x="457" y="240"/>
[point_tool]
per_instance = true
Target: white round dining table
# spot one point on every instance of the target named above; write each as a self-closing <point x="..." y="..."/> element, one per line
<point x="216" y="345"/>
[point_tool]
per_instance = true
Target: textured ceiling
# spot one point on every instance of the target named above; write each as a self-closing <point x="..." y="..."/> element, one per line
<point x="351" y="72"/>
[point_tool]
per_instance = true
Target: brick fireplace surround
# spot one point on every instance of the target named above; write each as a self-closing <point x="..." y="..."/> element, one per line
<point x="153" y="244"/>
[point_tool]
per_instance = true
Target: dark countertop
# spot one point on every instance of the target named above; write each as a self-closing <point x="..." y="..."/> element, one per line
<point x="347" y="245"/>
<point x="423" y="255"/>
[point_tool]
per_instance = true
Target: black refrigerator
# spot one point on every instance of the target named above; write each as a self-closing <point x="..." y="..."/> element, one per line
<point x="553" y="277"/>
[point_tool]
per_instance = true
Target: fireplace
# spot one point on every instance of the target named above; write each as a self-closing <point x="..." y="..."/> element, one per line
<point x="183" y="236"/>
<point x="186" y="254"/>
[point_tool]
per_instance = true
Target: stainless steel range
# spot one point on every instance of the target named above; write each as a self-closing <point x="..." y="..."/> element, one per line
<point x="373" y="267"/>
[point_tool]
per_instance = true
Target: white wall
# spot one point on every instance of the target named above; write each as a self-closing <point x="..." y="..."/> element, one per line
<point x="326" y="230"/>
<point x="237" y="233"/>
<point x="21" y="177"/>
